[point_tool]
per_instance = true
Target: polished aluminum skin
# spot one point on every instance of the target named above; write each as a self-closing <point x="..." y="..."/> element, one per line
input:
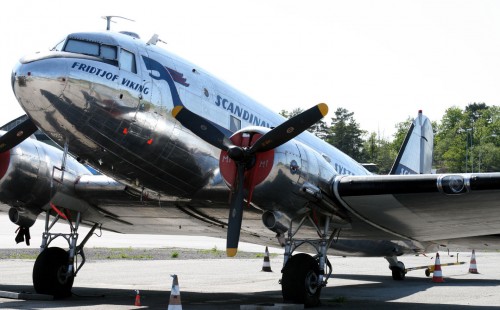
<point x="110" y="97"/>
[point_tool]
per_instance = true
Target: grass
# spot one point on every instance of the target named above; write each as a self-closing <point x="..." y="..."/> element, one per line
<point x="126" y="253"/>
<point x="21" y="256"/>
<point x="213" y="251"/>
<point x="129" y="253"/>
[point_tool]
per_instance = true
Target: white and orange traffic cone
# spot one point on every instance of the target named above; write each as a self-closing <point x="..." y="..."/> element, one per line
<point x="438" y="274"/>
<point x="473" y="266"/>
<point x="266" y="266"/>
<point x="175" y="295"/>
<point x="137" y="299"/>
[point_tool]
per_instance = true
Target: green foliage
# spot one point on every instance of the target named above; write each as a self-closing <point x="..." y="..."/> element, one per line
<point x="401" y="131"/>
<point x="345" y="134"/>
<point x="467" y="141"/>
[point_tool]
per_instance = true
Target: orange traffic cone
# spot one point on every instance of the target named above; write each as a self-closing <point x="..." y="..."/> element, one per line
<point x="472" y="266"/>
<point x="137" y="299"/>
<point x="438" y="274"/>
<point x="175" y="295"/>
<point x="266" y="266"/>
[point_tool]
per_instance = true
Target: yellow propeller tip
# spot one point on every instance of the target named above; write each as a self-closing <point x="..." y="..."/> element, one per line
<point x="176" y="110"/>
<point x="323" y="109"/>
<point x="231" y="252"/>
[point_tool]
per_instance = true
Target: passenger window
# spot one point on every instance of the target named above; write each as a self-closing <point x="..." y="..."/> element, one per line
<point x="127" y="61"/>
<point x="235" y="124"/>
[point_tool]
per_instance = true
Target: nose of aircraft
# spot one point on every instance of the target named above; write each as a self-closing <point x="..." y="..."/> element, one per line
<point x="37" y="77"/>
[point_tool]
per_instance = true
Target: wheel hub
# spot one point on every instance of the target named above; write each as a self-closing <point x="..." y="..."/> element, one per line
<point x="311" y="282"/>
<point x="62" y="274"/>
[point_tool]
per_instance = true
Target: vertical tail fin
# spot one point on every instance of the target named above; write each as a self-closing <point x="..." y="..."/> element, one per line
<point x="415" y="155"/>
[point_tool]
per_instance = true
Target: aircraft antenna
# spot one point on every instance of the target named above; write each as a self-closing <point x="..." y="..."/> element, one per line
<point x="108" y="20"/>
<point x="155" y="39"/>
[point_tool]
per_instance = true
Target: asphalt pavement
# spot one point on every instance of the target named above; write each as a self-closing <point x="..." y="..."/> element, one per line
<point x="228" y="283"/>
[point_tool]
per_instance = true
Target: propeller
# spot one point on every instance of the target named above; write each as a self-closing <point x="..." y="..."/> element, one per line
<point x="17" y="135"/>
<point x="202" y="127"/>
<point x="244" y="156"/>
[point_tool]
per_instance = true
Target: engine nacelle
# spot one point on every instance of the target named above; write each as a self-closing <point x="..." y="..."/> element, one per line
<point x="26" y="177"/>
<point x="292" y="168"/>
<point x="296" y="169"/>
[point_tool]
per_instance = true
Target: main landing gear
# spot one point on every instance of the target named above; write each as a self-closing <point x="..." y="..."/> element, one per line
<point x="304" y="275"/>
<point x="55" y="269"/>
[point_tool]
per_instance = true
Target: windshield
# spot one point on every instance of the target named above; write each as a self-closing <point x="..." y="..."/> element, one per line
<point x="91" y="48"/>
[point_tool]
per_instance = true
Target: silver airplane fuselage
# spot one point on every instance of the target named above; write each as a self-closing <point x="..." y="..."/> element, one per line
<point x="119" y="119"/>
<point x="109" y="97"/>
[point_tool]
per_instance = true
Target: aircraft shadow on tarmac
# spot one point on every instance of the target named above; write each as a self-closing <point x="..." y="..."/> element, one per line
<point x="377" y="294"/>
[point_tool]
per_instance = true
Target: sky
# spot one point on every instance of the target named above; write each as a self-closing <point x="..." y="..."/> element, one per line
<point x="383" y="60"/>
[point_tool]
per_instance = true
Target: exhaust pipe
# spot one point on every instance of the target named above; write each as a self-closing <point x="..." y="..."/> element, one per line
<point x="276" y="221"/>
<point x="21" y="217"/>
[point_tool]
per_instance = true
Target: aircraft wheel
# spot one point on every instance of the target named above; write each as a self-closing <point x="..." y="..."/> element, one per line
<point x="49" y="273"/>
<point x="300" y="280"/>
<point x="398" y="272"/>
<point x="427" y="272"/>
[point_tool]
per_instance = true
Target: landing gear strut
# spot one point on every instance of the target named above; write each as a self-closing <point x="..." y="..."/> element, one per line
<point x="303" y="274"/>
<point x="55" y="269"/>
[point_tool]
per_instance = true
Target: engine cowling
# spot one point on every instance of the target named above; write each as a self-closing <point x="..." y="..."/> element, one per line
<point x="289" y="168"/>
<point x="26" y="176"/>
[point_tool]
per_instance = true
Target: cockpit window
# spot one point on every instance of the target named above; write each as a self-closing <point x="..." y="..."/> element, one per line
<point x="127" y="61"/>
<point x="108" y="52"/>
<point x="82" y="47"/>
<point x="91" y="48"/>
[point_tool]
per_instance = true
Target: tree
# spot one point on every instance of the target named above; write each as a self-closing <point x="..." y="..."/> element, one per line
<point x="467" y="140"/>
<point x="345" y="134"/>
<point x="401" y="132"/>
<point x="485" y="151"/>
<point x="380" y="152"/>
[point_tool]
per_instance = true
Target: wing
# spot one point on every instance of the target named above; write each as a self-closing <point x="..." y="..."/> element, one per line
<point x="424" y="207"/>
<point x="125" y="210"/>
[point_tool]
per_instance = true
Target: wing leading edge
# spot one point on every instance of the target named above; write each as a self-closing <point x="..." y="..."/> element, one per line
<point x="424" y="207"/>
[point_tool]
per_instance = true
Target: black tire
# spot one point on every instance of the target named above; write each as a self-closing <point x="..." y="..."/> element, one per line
<point x="299" y="282"/>
<point x="398" y="272"/>
<point x="48" y="273"/>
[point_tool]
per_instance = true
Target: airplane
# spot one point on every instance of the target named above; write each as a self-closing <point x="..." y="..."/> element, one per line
<point x="150" y="143"/>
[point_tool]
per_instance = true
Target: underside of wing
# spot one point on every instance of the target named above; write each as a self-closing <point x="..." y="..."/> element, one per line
<point x="122" y="209"/>
<point x="424" y="207"/>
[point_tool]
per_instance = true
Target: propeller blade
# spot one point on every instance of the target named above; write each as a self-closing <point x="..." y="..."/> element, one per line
<point x="17" y="135"/>
<point x="201" y="127"/>
<point x="235" y="213"/>
<point x="289" y="129"/>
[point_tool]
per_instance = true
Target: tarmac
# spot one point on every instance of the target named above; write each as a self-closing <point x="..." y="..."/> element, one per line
<point x="228" y="283"/>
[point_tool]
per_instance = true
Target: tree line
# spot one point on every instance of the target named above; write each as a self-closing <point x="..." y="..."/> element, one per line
<point x="465" y="140"/>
